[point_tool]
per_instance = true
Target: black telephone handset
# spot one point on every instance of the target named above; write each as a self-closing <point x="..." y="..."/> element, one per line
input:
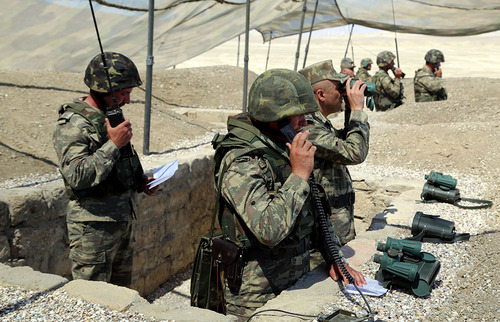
<point x="115" y="117"/>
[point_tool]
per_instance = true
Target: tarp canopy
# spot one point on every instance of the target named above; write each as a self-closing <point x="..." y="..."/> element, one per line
<point x="59" y="34"/>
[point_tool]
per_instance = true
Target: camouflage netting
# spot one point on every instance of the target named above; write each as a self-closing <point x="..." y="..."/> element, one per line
<point x="59" y="34"/>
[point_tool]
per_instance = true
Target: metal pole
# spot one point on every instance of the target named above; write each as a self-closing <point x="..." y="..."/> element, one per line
<point x="238" y="54"/>
<point x="297" y="53"/>
<point x="348" y="42"/>
<point x="269" y="49"/>
<point x="149" y="78"/>
<point x="245" y="71"/>
<point x="310" y="33"/>
<point x="395" y="37"/>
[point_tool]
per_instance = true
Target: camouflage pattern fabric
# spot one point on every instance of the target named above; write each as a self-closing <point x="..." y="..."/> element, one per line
<point x="270" y="207"/>
<point x="428" y="87"/>
<point x="365" y="62"/>
<point x="323" y="70"/>
<point x="122" y="73"/>
<point x="282" y="93"/>
<point x="363" y="74"/>
<point x="385" y="58"/>
<point x="434" y="56"/>
<point x="335" y="150"/>
<point x="389" y="92"/>
<point x="346" y="63"/>
<point x="101" y="251"/>
<point x="87" y="159"/>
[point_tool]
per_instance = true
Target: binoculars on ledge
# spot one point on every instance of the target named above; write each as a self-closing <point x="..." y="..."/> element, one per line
<point x="402" y="263"/>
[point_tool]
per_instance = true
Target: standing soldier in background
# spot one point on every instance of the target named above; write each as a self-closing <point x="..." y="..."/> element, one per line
<point x="389" y="92"/>
<point x="265" y="196"/>
<point x="99" y="175"/>
<point x="335" y="149"/>
<point x="347" y="66"/>
<point x="362" y="73"/>
<point x="428" y="82"/>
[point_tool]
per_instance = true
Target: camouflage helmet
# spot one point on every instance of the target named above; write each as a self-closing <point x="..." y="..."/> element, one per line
<point x="346" y="63"/>
<point x="280" y="93"/>
<point x="365" y="62"/>
<point x="434" y="56"/>
<point x="384" y="58"/>
<point x="122" y="73"/>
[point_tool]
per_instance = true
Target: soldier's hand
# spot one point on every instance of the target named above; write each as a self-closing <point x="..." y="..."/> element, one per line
<point x="438" y="72"/>
<point x="335" y="274"/>
<point x="302" y="155"/>
<point x="121" y="134"/>
<point x="145" y="186"/>
<point x="355" y="95"/>
<point x="398" y="73"/>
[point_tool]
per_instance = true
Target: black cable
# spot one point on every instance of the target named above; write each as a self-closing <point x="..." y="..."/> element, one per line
<point x="281" y="311"/>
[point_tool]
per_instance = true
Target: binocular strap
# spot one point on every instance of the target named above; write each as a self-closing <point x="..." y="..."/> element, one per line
<point x="483" y="203"/>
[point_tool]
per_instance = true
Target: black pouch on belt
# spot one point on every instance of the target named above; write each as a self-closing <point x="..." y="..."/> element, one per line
<point x="230" y="256"/>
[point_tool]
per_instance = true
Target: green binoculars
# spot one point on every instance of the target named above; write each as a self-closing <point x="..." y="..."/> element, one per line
<point x="432" y="192"/>
<point x="369" y="90"/>
<point x="403" y="264"/>
<point x="432" y="229"/>
<point x="443" y="181"/>
<point x="394" y="246"/>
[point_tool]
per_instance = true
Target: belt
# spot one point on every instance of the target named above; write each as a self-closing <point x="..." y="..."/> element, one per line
<point x="257" y="253"/>
<point x="347" y="199"/>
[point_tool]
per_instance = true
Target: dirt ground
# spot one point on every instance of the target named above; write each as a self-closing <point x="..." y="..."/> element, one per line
<point x="457" y="136"/>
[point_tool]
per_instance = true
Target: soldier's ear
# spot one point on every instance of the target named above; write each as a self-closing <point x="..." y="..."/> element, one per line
<point x="320" y="94"/>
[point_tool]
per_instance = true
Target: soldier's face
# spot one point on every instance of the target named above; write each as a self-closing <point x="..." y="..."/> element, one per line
<point x="122" y="97"/>
<point x="333" y="97"/>
<point x="298" y="122"/>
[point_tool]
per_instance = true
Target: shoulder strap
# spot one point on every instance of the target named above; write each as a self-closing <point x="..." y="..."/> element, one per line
<point x="90" y="114"/>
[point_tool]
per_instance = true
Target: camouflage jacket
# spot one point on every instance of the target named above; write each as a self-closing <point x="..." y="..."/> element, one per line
<point x="266" y="208"/>
<point x="271" y="205"/>
<point x="428" y="87"/>
<point x="388" y="91"/>
<point x="363" y="75"/>
<point x="336" y="149"/>
<point x="87" y="159"/>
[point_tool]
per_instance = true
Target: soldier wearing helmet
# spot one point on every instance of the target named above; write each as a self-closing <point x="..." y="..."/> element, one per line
<point x="427" y="83"/>
<point x="265" y="197"/>
<point x="347" y="66"/>
<point x="99" y="174"/>
<point x="389" y="91"/>
<point x="337" y="148"/>
<point x="365" y="66"/>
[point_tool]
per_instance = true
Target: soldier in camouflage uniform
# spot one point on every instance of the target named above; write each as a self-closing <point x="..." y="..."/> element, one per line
<point x="389" y="92"/>
<point x="266" y="202"/>
<point x="100" y="179"/>
<point x="427" y="82"/>
<point x="362" y="73"/>
<point x="347" y="66"/>
<point x="335" y="149"/>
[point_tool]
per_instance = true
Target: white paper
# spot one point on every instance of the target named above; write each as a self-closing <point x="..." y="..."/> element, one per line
<point x="164" y="173"/>
<point x="371" y="288"/>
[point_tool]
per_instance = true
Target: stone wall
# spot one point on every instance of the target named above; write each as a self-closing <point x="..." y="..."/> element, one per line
<point x="167" y="230"/>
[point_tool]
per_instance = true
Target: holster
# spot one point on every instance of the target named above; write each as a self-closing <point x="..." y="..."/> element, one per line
<point x="230" y="256"/>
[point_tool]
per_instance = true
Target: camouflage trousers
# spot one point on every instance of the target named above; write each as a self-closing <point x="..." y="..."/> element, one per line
<point x="264" y="279"/>
<point x="343" y="223"/>
<point x="101" y="251"/>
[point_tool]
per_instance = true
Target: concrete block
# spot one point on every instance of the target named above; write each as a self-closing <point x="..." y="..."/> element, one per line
<point x="114" y="297"/>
